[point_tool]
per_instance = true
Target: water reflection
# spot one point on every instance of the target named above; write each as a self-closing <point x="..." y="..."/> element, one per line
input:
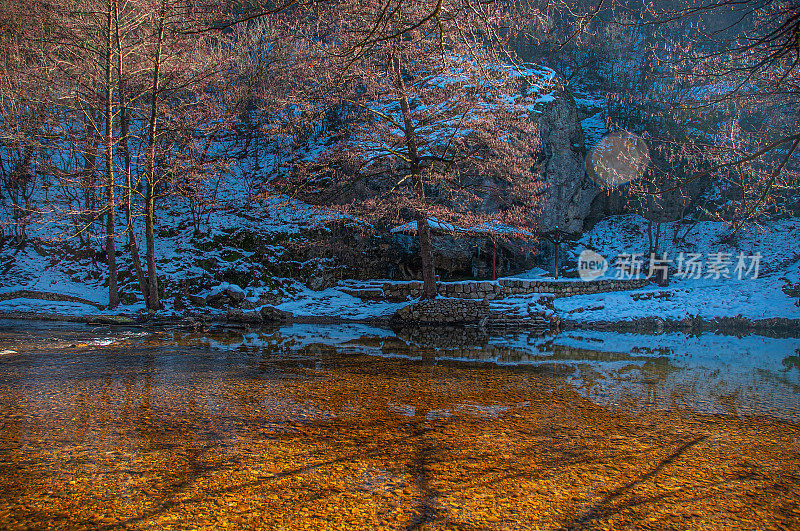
<point x="709" y="373"/>
<point x="363" y="428"/>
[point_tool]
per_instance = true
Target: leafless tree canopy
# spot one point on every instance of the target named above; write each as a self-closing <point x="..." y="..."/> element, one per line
<point x="392" y="111"/>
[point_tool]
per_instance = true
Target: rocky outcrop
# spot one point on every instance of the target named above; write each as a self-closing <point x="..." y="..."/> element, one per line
<point x="569" y="191"/>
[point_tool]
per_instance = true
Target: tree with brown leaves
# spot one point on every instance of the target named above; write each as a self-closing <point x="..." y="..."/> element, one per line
<point x="427" y="118"/>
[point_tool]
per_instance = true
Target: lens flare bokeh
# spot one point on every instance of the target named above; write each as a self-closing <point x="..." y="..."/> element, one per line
<point x="619" y="158"/>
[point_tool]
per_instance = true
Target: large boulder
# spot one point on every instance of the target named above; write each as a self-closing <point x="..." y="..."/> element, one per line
<point x="237" y="315"/>
<point x="270" y="314"/>
<point x="229" y="297"/>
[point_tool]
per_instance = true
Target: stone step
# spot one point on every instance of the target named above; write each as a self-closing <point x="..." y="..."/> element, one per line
<point x="364" y="293"/>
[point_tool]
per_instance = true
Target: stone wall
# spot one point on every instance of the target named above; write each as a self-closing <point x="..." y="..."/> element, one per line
<point x="565" y="288"/>
<point x="480" y="290"/>
<point x="443" y="312"/>
<point x="438" y="311"/>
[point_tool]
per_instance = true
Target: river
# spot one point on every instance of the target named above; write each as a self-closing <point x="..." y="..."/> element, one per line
<point x="356" y="427"/>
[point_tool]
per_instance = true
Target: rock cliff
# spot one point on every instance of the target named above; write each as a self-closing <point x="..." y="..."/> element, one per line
<point x="569" y="192"/>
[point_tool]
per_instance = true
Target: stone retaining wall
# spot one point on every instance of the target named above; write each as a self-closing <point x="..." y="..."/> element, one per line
<point x="400" y="291"/>
<point x="447" y="312"/>
<point x="440" y="311"/>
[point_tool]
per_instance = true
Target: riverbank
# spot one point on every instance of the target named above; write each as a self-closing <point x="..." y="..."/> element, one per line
<point x="35" y="285"/>
<point x="772" y="327"/>
<point x="762" y="305"/>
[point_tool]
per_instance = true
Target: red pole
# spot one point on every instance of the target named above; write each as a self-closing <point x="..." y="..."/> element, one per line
<point x="494" y="260"/>
<point x="557" y="240"/>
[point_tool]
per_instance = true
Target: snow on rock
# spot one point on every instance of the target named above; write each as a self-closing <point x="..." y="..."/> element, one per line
<point x="334" y="303"/>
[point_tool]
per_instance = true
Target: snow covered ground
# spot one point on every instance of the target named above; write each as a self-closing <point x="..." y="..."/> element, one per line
<point x="58" y="268"/>
<point x="707" y="298"/>
<point x="709" y="292"/>
<point x="334" y="303"/>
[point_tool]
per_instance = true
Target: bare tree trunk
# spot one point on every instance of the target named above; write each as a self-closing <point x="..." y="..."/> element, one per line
<point x="426" y="254"/>
<point x="124" y="130"/>
<point x="155" y="303"/>
<point x="88" y="183"/>
<point x="111" y="258"/>
<point x="423" y="230"/>
<point x="133" y="245"/>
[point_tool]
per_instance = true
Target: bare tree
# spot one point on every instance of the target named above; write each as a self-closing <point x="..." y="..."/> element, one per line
<point x="428" y="117"/>
<point x="724" y="84"/>
<point x="86" y="98"/>
<point x="24" y="90"/>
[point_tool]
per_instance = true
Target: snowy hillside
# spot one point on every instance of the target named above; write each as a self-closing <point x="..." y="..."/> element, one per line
<point x="708" y="292"/>
<point x="186" y="261"/>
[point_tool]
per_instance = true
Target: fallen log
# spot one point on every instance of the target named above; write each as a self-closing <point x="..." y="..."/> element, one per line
<point x="47" y="296"/>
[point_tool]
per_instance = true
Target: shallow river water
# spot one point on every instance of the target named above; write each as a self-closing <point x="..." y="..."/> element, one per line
<point x="355" y="427"/>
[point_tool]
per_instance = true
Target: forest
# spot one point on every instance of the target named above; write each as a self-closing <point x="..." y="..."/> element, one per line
<point x="400" y="264"/>
<point x="121" y="120"/>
